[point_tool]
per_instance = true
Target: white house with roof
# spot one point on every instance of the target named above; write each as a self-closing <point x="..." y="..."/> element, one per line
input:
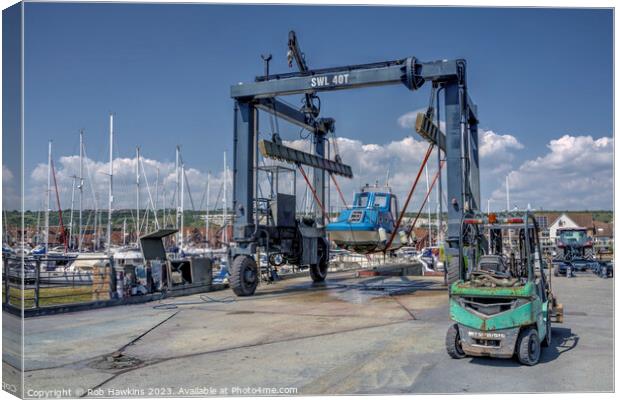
<point x="563" y="221"/>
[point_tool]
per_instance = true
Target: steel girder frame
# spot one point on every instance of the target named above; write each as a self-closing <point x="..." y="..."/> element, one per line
<point x="245" y="158"/>
<point x="463" y="186"/>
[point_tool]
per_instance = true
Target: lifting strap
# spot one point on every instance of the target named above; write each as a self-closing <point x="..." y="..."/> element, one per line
<point x="338" y="189"/>
<point x="415" y="183"/>
<point x="430" y="189"/>
<point x="316" y="197"/>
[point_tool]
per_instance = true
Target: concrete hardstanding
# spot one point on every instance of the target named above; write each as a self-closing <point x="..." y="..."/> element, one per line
<point x="335" y="338"/>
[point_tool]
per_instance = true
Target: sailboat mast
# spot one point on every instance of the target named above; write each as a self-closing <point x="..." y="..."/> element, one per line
<point x="49" y="192"/>
<point x="137" y="193"/>
<point x="81" y="189"/>
<point x="428" y="209"/>
<point x="182" y="203"/>
<point x="71" y="216"/>
<point x="164" y="203"/>
<point x="124" y="231"/>
<point x="508" y="211"/>
<point x="38" y="231"/>
<point x="178" y="194"/>
<point x="156" y="211"/>
<point x="507" y="195"/>
<point x="96" y="227"/>
<point x="176" y="198"/>
<point x="225" y="208"/>
<point x="110" y="188"/>
<point x="207" y="216"/>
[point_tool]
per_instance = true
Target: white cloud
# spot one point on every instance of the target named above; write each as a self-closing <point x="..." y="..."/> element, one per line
<point x="493" y="145"/>
<point x="124" y="184"/>
<point x="576" y="173"/>
<point x="10" y="190"/>
<point x="497" y="151"/>
<point x="7" y="175"/>
<point x="497" y="156"/>
<point x="407" y="120"/>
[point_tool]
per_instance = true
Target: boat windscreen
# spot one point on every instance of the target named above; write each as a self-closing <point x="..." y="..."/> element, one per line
<point x="380" y="200"/>
<point x="361" y="200"/>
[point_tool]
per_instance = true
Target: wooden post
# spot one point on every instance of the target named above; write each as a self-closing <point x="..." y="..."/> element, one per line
<point x="112" y="277"/>
<point x="101" y="280"/>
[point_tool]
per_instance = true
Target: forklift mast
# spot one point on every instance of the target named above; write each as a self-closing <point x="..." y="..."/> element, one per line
<point x="459" y="143"/>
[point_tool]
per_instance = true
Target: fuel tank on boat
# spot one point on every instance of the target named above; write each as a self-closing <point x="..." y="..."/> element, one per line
<point x="367" y="225"/>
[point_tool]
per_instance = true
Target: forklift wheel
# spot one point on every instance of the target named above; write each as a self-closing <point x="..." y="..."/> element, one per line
<point x="243" y="276"/>
<point x="453" y="343"/>
<point x="528" y="347"/>
<point x="547" y="340"/>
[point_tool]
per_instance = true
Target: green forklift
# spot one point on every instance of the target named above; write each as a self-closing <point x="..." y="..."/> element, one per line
<point x="502" y="305"/>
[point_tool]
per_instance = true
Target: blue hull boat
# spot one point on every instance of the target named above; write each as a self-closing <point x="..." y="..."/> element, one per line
<point x="367" y="226"/>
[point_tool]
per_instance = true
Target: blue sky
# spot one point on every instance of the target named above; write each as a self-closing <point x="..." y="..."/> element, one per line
<point x="166" y="70"/>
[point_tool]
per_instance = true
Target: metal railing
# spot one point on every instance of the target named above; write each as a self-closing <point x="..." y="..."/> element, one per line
<point x="32" y="282"/>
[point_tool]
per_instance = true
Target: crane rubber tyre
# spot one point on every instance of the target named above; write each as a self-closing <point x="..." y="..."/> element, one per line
<point x="318" y="272"/>
<point x="243" y="276"/>
<point x="453" y="343"/>
<point x="528" y="347"/>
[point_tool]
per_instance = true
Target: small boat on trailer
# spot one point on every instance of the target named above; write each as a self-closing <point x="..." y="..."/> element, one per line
<point x="367" y="226"/>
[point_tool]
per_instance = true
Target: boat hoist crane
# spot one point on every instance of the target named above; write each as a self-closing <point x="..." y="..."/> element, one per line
<point x="271" y="224"/>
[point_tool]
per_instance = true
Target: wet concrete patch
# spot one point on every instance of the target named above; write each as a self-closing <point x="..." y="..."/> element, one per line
<point x="116" y="361"/>
<point x="363" y="291"/>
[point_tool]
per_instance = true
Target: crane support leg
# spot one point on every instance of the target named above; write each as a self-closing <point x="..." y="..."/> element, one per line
<point x="319" y="174"/>
<point x="454" y="162"/>
<point x="243" y="172"/>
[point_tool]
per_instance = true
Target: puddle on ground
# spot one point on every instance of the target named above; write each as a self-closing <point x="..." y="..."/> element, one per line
<point x="358" y="291"/>
<point x="375" y="288"/>
<point x="356" y="296"/>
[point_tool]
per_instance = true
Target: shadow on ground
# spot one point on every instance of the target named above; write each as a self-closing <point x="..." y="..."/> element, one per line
<point x="563" y="340"/>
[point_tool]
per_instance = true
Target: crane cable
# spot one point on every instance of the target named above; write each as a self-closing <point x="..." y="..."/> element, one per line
<point x="415" y="183"/>
<point x="338" y="189"/>
<point x="337" y="159"/>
